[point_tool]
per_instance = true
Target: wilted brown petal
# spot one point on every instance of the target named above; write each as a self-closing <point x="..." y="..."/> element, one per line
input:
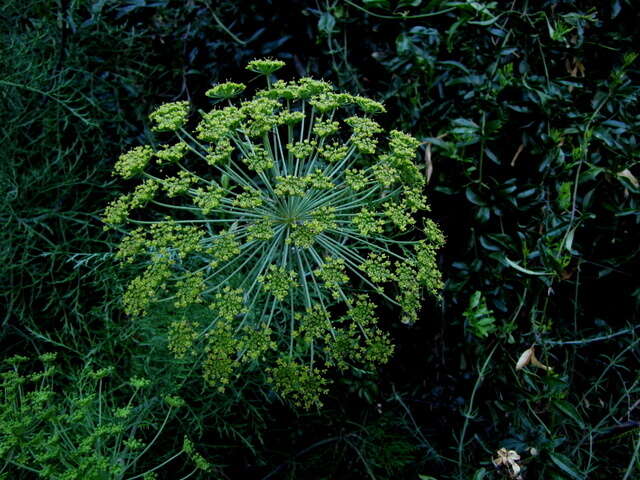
<point x="525" y="358"/>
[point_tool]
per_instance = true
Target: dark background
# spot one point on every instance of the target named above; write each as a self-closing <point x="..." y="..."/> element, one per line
<point x="528" y="114"/>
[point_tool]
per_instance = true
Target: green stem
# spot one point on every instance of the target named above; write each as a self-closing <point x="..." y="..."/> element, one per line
<point x="468" y="413"/>
<point x="153" y="440"/>
<point x="157" y="466"/>
<point x="344" y="253"/>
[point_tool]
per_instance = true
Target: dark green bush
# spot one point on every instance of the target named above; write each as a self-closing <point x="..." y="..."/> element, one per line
<point x="529" y="118"/>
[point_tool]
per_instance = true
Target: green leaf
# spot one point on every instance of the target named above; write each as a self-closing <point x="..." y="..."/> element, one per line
<point x="566" y="465"/>
<point x="475" y="300"/>
<point x="570" y="411"/>
<point x="326" y="23"/>
<point x="483" y="214"/>
<point x="570" y="237"/>
<point x="485" y="23"/>
<point x="376" y="3"/>
<point x="465" y="122"/>
<point x="473" y="197"/>
<point x="512" y="264"/>
<point x="480" y="474"/>
<point x="487" y="244"/>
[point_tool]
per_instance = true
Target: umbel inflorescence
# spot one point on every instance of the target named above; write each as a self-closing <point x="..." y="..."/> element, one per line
<point x="290" y="218"/>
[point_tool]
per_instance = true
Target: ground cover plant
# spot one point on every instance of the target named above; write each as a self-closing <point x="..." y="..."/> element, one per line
<point x="526" y="119"/>
<point x="82" y="434"/>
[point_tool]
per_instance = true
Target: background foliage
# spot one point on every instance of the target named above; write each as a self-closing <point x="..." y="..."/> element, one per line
<point x="528" y="114"/>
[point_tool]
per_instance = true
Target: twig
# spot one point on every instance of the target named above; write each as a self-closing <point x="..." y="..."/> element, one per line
<point x="594" y="339"/>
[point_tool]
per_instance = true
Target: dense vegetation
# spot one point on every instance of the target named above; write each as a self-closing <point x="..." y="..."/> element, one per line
<point x="528" y="121"/>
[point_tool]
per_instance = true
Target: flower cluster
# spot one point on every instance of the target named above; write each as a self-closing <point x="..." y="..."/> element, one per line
<point x="278" y="281"/>
<point x="293" y="217"/>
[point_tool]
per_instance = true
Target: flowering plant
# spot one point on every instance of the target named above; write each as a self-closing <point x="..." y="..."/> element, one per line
<point x="283" y="216"/>
<point x="101" y="429"/>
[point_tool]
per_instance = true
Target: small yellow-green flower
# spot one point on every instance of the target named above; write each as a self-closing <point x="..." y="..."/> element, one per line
<point x="274" y="228"/>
